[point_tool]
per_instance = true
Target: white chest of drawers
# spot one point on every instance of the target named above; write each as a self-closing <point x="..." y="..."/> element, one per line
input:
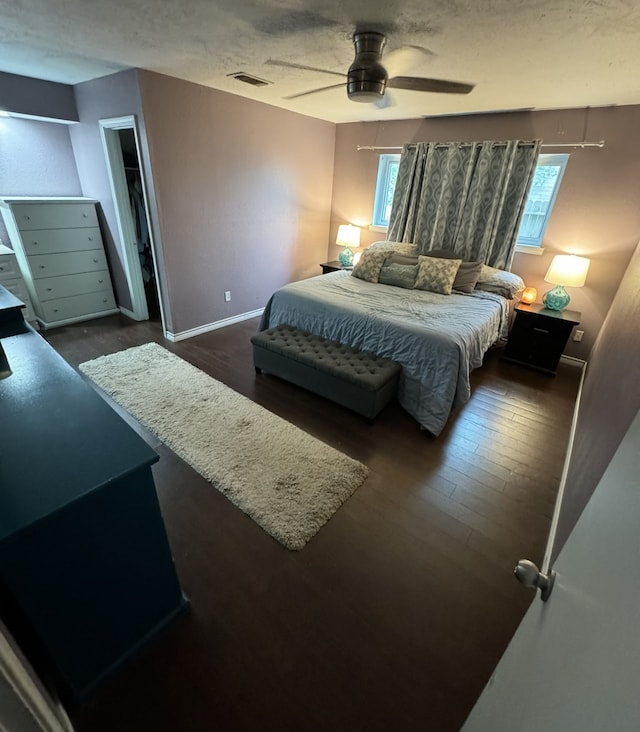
<point x="59" y="249"/>
<point x="11" y="278"/>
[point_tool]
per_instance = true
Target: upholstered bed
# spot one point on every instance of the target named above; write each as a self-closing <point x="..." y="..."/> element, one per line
<point x="437" y="338"/>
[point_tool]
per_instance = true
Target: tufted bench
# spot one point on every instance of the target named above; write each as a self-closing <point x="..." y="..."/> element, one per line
<point x="358" y="380"/>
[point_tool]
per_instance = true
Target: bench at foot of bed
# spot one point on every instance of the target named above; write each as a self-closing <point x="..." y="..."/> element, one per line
<point x="358" y="380"/>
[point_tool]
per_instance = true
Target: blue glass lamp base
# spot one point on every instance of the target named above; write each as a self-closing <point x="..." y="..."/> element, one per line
<point x="556" y="299"/>
<point x="346" y="257"/>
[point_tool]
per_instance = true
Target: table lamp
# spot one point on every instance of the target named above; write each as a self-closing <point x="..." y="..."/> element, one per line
<point x="348" y="236"/>
<point x="566" y="270"/>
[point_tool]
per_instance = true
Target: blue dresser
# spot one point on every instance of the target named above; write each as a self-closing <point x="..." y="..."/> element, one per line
<point x="86" y="572"/>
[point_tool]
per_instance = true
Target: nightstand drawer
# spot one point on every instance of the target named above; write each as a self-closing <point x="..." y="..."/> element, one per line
<point x="538" y="337"/>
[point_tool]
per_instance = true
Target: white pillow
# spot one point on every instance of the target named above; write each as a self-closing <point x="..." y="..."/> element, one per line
<point x="394" y="246"/>
<point x="500" y="281"/>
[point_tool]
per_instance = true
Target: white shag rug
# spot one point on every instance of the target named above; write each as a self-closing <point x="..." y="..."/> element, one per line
<point x="289" y="482"/>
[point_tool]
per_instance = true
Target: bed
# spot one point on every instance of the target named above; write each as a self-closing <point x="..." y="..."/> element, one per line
<point x="438" y="339"/>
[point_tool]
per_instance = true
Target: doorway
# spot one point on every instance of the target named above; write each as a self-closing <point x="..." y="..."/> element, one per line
<point x="126" y="177"/>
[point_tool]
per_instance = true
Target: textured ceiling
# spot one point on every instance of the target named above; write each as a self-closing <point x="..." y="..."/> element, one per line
<point x="534" y="54"/>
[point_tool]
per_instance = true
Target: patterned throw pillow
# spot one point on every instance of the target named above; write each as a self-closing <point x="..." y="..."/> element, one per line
<point x="394" y="246"/>
<point x="369" y="266"/>
<point x="466" y="276"/>
<point x="437" y="275"/>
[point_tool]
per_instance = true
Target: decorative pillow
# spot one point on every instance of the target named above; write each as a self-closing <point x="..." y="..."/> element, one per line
<point x="369" y="266"/>
<point x="467" y="274"/>
<point x="436" y="274"/>
<point x="398" y="272"/>
<point x="394" y="246"/>
<point x="504" y="283"/>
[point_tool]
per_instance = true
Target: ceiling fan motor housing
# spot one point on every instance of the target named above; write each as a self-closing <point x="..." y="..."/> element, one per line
<point x="367" y="77"/>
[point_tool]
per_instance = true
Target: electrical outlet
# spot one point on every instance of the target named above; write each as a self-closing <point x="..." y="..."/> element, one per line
<point x="227" y="296"/>
<point x="577" y="336"/>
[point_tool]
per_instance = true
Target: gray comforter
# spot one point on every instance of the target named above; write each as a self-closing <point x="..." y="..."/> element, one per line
<point x="437" y="339"/>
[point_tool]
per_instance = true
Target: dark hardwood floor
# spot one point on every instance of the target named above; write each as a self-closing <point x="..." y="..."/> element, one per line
<point x="395" y="614"/>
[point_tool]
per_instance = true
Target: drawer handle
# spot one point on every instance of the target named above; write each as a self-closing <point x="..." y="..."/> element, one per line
<point x="42" y="266"/>
<point x="35" y="243"/>
<point x="55" y="310"/>
<point x="541" y="330"/>
<point x="84" y="215"/>
<point x="100" y="282"/>
<point x="90" y="238"/>
<point x="1" y="269"/>
<point x="49" y="289"/>
<point x="95" y="260"/>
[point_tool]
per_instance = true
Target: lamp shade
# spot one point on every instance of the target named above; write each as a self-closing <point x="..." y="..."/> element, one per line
<point x="348" y="236"/>
<point x="567" y="270"/>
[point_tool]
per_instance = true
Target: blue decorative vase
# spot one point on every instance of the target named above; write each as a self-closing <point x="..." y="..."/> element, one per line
<point x="556" y="299"/>
<point x="346" y="257"/>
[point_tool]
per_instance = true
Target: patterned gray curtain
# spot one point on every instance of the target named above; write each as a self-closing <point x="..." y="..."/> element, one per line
<point x="464" y="197"/>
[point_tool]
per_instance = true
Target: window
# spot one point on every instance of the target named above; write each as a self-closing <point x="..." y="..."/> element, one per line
<point x="542" y="195"/>
<point x="385" y="186"/>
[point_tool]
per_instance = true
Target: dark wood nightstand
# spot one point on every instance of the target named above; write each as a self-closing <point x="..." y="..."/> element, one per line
<point x="333" y="266"/>
<point x="538" y="336"/>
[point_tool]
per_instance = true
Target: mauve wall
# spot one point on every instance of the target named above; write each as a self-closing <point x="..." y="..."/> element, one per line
<point x="36" y="97"/>
<point x="597" y="211"/>
<point x="36" y="159"/>
<point x="108" y="97"/>
<point x="243" y="191"/>
<point x="610" y="400"/>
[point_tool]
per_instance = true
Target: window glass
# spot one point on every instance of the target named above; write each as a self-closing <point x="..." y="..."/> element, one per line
<point x="542" y="196"/>
<point x="385" y="186"/>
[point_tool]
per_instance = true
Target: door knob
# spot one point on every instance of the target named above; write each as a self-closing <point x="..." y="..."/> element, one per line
<point x="529" y="575"/>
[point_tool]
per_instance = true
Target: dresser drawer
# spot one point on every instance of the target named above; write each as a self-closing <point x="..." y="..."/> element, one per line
<point x="51" y="241"/>
<point x="17" y="287"/>
<point x="51" y="288"/>
<point x="9" y="269"/>
<point x="79" y="305"/>
<point x="31" y="216"/>
<point x="54" y="265"/>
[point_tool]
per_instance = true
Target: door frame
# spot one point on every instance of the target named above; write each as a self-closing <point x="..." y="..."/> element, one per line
<point x="117" y="180"/>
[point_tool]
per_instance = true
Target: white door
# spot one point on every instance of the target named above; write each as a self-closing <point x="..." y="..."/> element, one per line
<point x="574" y="663"/>
<point x="109" y="129"/>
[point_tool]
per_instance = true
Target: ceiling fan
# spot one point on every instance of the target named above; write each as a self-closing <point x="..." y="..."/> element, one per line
<point x="367" y="79"/>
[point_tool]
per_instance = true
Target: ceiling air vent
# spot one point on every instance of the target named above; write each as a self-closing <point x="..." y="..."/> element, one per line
<point x="248" y="79"/>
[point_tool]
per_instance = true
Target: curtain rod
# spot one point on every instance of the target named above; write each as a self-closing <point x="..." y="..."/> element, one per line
<point x="601" y="143"/>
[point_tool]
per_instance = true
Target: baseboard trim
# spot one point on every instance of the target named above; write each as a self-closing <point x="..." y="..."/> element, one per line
<point x="183" y="335"/>
<point x="572" y="361"/>
<point x="546" y="562"/>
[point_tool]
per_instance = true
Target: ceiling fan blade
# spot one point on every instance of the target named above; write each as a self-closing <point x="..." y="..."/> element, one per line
<point x="290" y="65"/>
<point x="404" y="59"/>
<point x="416" y="83"/>
<point x="315" y="91"/>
